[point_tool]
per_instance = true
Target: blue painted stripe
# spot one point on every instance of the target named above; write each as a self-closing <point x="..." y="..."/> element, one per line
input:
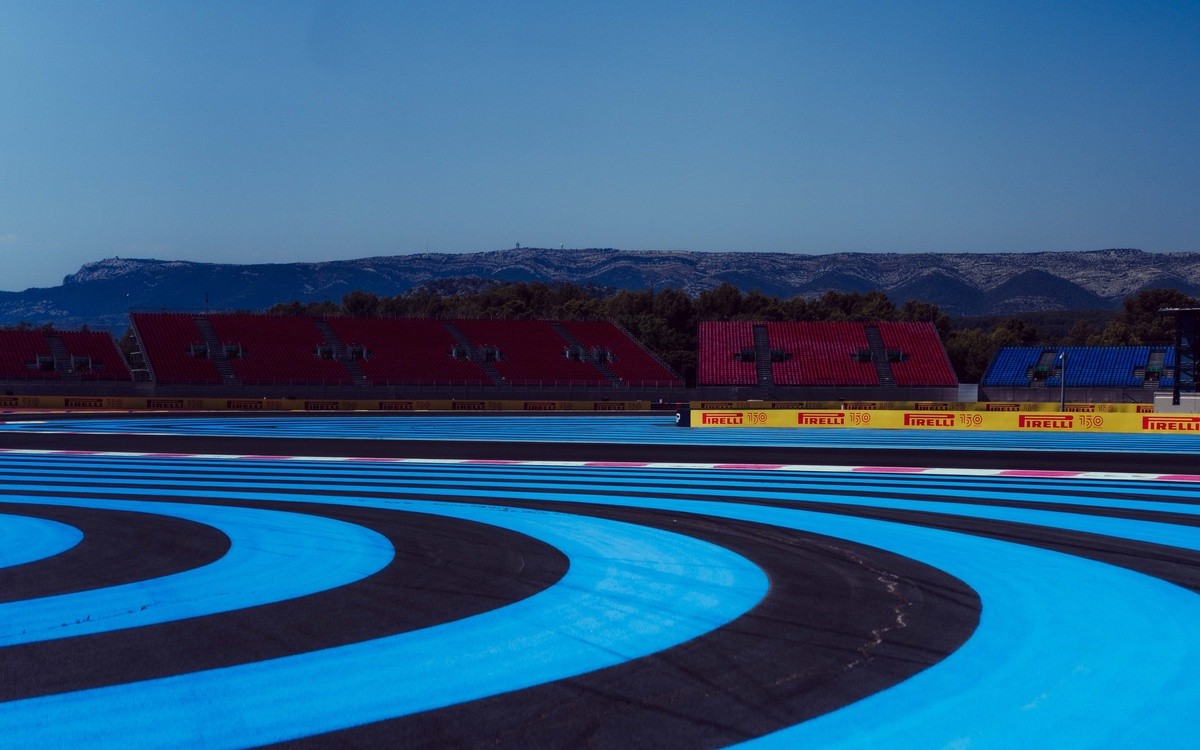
<point x="764" y="486"/>
<point x="364" y="474"/>
<point x="273" y="556"/>
<point x="639" y="430"/>
<point x="24" y="539"/>
<point x="1186" y="537"/>
<point x="629" y="591"/>
<point x="1069" y="652"/>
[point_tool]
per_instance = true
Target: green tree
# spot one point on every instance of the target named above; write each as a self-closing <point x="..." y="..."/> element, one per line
<point x="359" y="304"/>
<point x="626" y="305"/>
<point x="970" y="350"/>
<point x="585" y="308"/>
<point x="286" y="308"/>
<point x="722" y="303"/>
<point x="127" y="344"/>
<point x="1116" y="333"/>
<point x="869" y="306"/>
<point x="796" y="309"/>
<point x="915" y="311"/>
<point x="1014" y="332"/>
<point x="1140" y="314"/>
<point x="1081" y="334"/>
<point x="675" y="309"/>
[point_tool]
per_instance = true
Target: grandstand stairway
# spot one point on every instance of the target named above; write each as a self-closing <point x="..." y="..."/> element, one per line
<point x="341" y="354"/>
<point x="62" y="359"/>
<point x="1155" y="368"/>
<point x="879" y="356"/>
<point x="487" y="367"/>
<point x="140" y="369"/>
<point x="216" y="351"/>
<point x="762" y="356"/>
<point x="601" y="366"/>
<point x="1045" y="367"/>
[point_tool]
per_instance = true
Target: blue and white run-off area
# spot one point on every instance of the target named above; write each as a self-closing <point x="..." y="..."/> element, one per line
<point x="427" y="581"/>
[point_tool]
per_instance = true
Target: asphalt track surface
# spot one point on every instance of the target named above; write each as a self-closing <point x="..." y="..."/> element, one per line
<point x="478" y="581"/>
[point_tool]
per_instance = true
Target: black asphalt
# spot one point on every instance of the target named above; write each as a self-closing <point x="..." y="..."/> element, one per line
<point x="444" y="569"/>
<point x="828" y="632"/>
<point x="1166" y="463"/>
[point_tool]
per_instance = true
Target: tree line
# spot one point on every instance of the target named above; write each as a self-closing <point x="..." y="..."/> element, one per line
<point x="666" y="320"/>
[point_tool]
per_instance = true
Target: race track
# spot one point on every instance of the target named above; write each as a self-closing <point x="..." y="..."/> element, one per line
<point x="611" y="582"/>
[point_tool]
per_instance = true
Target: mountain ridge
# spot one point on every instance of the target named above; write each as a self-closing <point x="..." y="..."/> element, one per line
<point x="102" y="292"/>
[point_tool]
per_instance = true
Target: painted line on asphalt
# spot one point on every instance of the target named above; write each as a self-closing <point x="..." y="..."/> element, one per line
<point x="1114" y="475"/>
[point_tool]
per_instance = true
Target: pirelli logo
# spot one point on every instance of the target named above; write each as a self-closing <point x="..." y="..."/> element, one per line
<point x="396" y="405"/>
<point x="1086" y="408"/>
<point x="716" y="404"/>
<point x="83" y="403"/>
<point x="1171" y="424"/>
<point x="8" y="402"/>
<point x="1047" y="422"/>
<point x="932" y="407"/>
<point x="821" y="419"/>
<point x="723" y="417"/>
<point x="244" y="404"/>
<point x="540" y="406"/>
<point x="164" y="403"/>
<point x="322" y="405"/>
<point x="469" y="406"/>
<point x="928" y="420"/>
<point x="608" y="406"/>
<point x="997" y="406"/>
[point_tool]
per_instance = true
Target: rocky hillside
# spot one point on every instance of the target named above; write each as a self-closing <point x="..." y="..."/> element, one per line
<point x="102" y="293"/>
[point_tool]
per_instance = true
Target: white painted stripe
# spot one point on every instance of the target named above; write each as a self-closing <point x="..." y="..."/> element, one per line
<point x="811" y="468"/>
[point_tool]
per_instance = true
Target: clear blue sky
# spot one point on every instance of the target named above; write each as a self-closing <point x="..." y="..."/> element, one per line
<point x="302" y="130"/>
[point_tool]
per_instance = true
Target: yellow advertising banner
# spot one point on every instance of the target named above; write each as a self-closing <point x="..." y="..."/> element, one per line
<point x="947" y="420"/>
<point x="1082" y="408"/>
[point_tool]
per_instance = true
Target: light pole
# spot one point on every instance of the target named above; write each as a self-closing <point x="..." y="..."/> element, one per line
<point x="1062" y="381"/>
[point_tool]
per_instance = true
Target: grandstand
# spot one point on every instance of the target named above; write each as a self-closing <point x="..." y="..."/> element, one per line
<point x="609" y="346"/>
<point x="821" y="354"/>
<point x="67" y="356"/>
<point x="181" y="352"/>
<point x="91" y="355"/>
<point x="1024" y="371"/>
<point x="25" y="355"/>
<point x="269" y="349"/>
<point x="238" y="350"/>
<point x="915" y="355"/>
<point x="263" y="355"/>
<point x="393" y="351"/>
<point x="793" y="357"/>
<point x="530" y="352"/>
<point x="727" y="354"/>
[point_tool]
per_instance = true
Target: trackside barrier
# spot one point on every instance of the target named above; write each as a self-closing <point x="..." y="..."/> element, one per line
<point x="946" y="420"/>
<point x="124" y="403"/>
<point x="986" y="406"/>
